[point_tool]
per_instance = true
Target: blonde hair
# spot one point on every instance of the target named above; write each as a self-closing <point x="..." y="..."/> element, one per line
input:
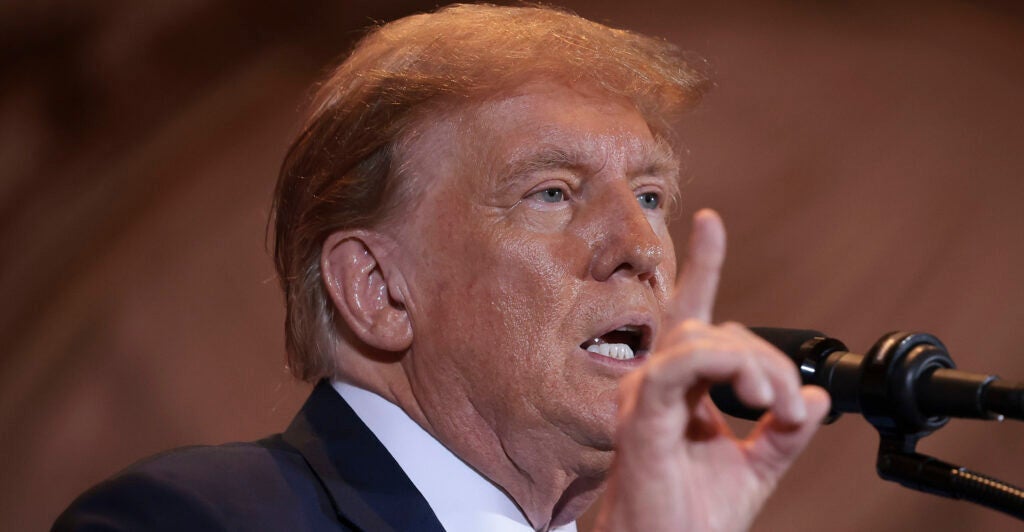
<point x="342" y="173"/>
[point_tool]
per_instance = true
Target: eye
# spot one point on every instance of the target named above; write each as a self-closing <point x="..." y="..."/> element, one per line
<point x="551" y="195"/>
<point x="649" y="200"/>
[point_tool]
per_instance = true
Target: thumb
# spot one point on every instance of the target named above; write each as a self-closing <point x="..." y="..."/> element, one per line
<point x="775" y="445"/>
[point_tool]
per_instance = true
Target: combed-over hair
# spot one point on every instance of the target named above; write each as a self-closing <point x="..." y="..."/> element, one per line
<point x="342" y="172"/>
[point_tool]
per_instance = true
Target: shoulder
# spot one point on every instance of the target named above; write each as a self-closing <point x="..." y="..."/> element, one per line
<point x="238" y="486"/>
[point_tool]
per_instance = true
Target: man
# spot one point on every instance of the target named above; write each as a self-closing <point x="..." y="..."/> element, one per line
<point x="472" y="236"/>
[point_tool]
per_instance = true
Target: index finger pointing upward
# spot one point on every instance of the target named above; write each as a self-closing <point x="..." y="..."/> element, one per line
<point x="698" y="280"/>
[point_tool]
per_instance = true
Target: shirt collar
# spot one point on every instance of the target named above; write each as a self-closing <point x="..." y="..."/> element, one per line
<point x="461" y="498"/>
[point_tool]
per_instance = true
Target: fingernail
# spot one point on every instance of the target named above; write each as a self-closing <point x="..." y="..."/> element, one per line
<point x="798" y="410"/>
<point x="765" y="393"/>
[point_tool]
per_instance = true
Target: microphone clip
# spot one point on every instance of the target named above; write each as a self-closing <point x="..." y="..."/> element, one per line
<point x="889" y="400"/>
<point x="892" y="370"/>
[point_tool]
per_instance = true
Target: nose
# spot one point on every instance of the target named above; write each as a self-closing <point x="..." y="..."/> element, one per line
<point x="624" y="242"/>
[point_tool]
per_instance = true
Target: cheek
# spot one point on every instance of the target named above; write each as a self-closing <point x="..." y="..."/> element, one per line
<point x="497" y="283"/>
<point x="495" y="321"/>
<point x="537" y="282"/>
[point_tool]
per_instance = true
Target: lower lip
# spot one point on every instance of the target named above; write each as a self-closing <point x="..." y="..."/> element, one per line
<point x="614" y="363"/>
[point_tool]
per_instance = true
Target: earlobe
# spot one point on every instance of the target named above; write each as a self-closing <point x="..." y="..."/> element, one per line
<point x="364" y="291"/>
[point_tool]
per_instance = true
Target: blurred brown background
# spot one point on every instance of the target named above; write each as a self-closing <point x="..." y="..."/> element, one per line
<point x="867" y="159"/>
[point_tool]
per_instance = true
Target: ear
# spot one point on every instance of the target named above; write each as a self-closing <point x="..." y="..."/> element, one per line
<point x="365" y="297"/>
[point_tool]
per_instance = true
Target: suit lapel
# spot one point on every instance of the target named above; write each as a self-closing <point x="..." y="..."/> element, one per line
<point x="367" y="486"/>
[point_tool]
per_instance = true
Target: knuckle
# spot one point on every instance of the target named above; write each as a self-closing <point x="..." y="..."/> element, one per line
<point x="750" y="364"/>
<point x="692" y="325"/>
<point x="733" y="326"/>
<point x="778" y="359"/>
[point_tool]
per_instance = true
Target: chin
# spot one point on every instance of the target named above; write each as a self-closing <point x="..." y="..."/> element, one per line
<point x="595" y="464"/>
<point x="596" y="451"/>
<point x="577" y="500"/>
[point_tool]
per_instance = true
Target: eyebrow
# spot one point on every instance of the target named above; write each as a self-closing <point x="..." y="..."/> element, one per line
<point x="540" y="159"/>
<point x="662" y="160"/>
<point x="655" y="159"/>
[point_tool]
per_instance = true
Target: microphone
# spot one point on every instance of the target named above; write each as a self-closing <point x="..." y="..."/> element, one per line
<point x="906" y="386"/>
<point x="905" y="382"/>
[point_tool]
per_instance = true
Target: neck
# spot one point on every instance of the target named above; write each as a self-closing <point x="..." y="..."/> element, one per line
<point x="521" y="463"/>
<point x="552" y="479"/>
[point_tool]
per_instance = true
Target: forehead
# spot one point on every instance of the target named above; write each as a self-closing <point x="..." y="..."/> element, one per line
<point x="537" y="125"/>
<point x="562" y="122"/>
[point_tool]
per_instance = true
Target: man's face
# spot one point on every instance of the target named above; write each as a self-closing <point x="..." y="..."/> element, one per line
<point x="540" y="227"/>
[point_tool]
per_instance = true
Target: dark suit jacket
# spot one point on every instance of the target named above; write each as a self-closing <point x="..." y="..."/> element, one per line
<point x="327" y="471"/>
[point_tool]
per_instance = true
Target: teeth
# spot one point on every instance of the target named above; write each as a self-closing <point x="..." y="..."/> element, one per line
<point x="616" y="351"/>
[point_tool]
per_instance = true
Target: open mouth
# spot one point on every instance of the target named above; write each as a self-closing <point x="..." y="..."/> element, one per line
<point x="624" y="343"/>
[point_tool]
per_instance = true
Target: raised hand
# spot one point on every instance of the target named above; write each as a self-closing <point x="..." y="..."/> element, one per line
<point x="677" y="465"/>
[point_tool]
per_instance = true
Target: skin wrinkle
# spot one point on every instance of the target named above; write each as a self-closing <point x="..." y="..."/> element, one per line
<point x="435" y="422"/>
<point x="552" y="157"/>
<point x="502" y="280"/>
<point x="500" y="298"/>
<point x="433" y="64"/>
<point x="554" y="152"/>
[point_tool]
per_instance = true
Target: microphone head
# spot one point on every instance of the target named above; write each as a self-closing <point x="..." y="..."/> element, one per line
<point x="789" y="341"/>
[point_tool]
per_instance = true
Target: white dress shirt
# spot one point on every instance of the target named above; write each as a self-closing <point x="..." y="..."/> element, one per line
<point x="462" y="499"/>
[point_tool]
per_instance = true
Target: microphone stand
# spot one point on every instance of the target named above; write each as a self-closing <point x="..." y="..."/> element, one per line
<point x="888" y="400"/>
